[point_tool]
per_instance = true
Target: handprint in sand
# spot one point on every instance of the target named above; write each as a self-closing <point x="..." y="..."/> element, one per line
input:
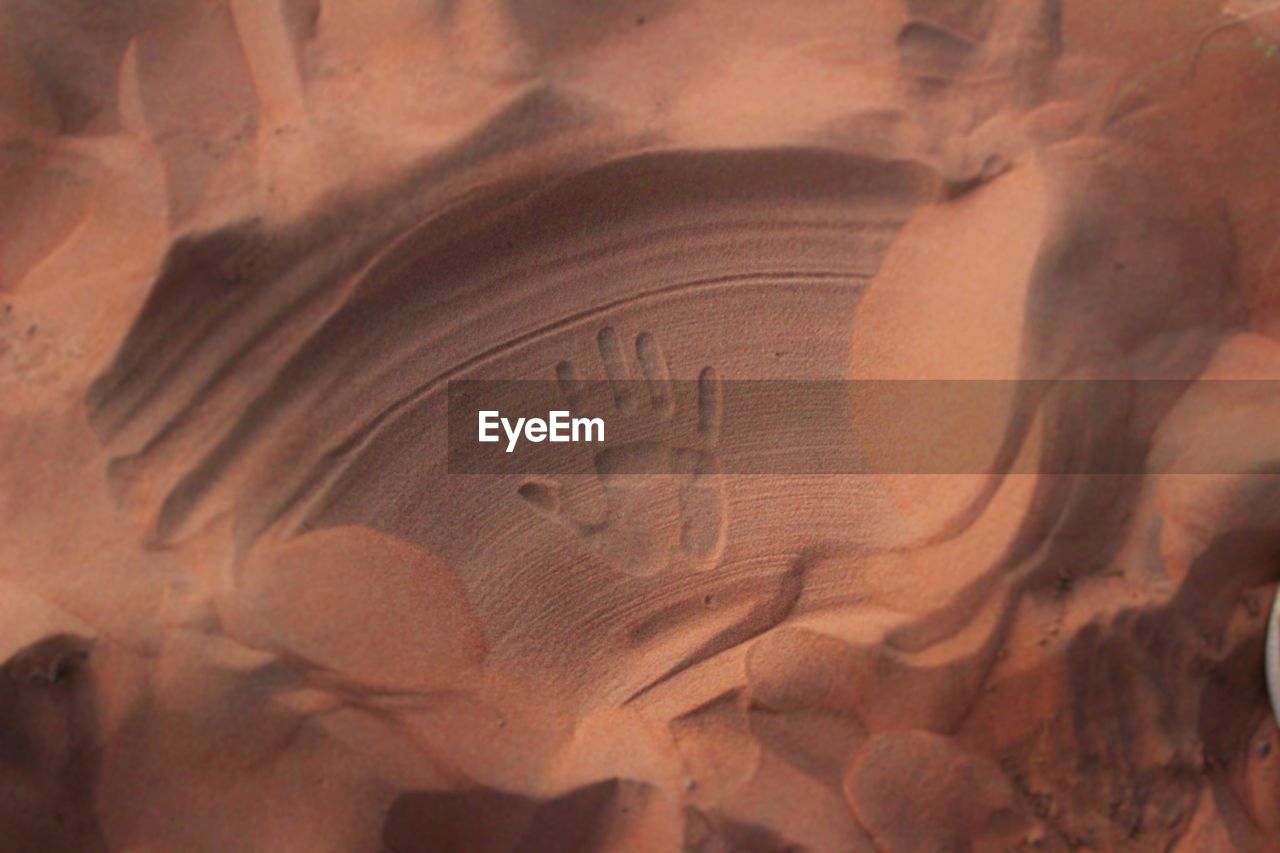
<point x="663" y="499"/>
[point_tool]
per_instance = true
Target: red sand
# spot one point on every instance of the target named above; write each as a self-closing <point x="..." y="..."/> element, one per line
<point x="245" y="243"/>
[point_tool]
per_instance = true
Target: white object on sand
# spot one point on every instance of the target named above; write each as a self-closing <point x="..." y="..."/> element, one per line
<point x="1273" y="657"/>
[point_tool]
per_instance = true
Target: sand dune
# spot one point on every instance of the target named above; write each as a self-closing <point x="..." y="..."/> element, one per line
<point x="249" y="243"/>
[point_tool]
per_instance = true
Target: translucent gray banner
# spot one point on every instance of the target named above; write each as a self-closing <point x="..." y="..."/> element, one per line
<point x="711" y="425"/>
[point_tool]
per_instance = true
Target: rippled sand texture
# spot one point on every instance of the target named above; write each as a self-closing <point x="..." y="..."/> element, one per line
<point x="245" y="244"/>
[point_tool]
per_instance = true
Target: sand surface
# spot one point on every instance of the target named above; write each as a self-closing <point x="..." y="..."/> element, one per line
<point x="246" y="244"/>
